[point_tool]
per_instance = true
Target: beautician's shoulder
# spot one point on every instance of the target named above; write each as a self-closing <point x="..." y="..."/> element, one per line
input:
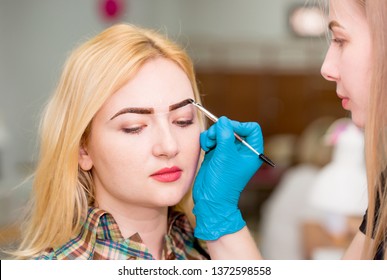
<point x="354" y="251"/>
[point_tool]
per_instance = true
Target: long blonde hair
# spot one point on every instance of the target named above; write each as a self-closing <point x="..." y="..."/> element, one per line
<point x="95" y="70"/>
<point x="376" y="129"/>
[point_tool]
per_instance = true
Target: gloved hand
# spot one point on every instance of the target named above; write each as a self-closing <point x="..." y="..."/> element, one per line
<point x="227" y="167"/>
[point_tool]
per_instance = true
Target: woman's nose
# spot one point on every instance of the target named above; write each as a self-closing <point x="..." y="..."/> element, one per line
<point x="165" y="142"/>
<point x="329" y="69"/>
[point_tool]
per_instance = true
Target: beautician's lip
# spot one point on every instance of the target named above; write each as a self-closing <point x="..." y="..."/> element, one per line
<point x="168" y="174"/>
<point x="341" y="96"/>
<point x="344" y="101"/>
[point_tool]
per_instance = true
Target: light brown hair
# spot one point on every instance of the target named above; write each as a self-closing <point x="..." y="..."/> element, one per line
<point x="375" y="128"/>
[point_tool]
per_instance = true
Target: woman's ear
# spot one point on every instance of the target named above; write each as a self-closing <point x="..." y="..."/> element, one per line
<point x="84" y="159"/>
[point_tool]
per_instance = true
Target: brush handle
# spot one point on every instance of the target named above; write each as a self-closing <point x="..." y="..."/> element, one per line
<point x="215" y="119"/>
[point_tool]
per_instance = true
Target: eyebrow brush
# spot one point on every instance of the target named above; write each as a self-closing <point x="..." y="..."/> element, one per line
<point x="215" y="119"/>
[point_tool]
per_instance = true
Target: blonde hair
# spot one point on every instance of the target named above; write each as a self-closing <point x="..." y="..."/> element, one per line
<point x="62" y="191"/>
<point x="375" y="128"/>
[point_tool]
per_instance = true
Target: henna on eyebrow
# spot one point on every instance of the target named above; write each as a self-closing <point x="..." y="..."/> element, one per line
<point x="143" y="111"/>
<point x="180" y="104"/>
<point x="147" y="111"/>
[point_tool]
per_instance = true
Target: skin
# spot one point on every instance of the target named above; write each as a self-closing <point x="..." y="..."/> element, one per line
<point x="125" y="149"/>
<point x="347" y="62"/>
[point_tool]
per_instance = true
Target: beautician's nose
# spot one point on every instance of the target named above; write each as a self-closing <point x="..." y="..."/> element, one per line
<point x="329" y="69"/>
<point x="165" y="143"/>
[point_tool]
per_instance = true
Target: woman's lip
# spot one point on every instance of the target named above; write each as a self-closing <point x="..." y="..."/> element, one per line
<point x="167" y="170"/>
<point x="167" y="174"/>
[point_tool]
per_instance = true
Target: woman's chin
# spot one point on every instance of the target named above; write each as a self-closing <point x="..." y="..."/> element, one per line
<point x="170" y="199"/>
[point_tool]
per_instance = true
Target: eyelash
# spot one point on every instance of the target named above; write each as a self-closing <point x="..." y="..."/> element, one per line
<point x="138" y="129"/>
<point x="133" y="130"/>
<point x="337" y="41"/>
<point x="184" y="123"/>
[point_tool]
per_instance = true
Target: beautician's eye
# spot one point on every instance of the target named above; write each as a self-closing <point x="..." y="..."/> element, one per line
<point x="133" y="130"/>
<point x="338" y="41"/>
<point x="183" y="123"/>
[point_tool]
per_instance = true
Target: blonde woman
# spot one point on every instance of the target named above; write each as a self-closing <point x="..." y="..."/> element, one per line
<point x="119" y="153"/>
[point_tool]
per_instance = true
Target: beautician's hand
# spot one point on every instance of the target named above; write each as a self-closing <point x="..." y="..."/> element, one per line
<point x="227" y="167"/>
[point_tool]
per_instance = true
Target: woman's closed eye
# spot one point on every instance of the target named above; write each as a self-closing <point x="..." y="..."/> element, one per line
<point x="138" y="128"/>
<point x="133" y="129"/>
<point x="183" y="123"/>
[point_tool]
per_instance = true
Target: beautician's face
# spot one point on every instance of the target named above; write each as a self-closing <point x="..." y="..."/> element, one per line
<point x="347" y="61"/>
<point x="144" y="152"/>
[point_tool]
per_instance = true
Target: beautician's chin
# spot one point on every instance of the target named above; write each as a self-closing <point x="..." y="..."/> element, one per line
<point x="345" y="103"/>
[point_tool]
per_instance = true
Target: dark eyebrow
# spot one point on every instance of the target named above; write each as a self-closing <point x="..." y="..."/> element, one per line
<point x="143" y="111"/>
<point x="180" y="104"/>
<point x="147" y="111"/>
<point x="333" y="24"/>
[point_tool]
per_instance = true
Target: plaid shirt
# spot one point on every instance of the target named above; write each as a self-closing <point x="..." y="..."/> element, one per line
<point x="101" y="239"/>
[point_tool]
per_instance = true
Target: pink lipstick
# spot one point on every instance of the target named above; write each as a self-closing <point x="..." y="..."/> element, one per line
<point x="168" y="174"/>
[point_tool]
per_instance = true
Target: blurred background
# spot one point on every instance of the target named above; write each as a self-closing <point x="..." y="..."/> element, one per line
<point x="256" y="60"/>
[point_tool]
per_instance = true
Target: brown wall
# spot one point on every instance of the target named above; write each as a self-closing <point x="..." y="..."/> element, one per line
<point x="280" y="102"/>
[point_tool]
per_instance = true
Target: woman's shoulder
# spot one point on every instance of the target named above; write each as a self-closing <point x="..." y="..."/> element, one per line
<point x="81" y="245"/>
<point x="48" y="254"/>
<point x="182" y="232"/>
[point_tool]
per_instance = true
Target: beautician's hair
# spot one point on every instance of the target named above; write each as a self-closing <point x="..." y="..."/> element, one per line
<point x="62" y="191"/>
<point x="376" y="126"/>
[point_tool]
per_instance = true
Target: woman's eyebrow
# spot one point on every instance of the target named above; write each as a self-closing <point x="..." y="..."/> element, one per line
<point x="134" y="110"/>
<point x="180" y="104"/>
<point x="149" y="110"/>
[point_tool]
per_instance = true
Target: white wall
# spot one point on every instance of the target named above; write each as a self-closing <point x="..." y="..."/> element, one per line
<point x="223" y="19"/>
<point x="231" y="34"/>
<point x="35" y="38"/>
<point x="236" y="20"/>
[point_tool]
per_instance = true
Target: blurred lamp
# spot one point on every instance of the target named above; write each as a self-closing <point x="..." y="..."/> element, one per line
<point x="307" y="21"/>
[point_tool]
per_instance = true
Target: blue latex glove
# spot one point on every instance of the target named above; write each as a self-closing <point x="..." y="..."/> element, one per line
<point x="227" y="167"/>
